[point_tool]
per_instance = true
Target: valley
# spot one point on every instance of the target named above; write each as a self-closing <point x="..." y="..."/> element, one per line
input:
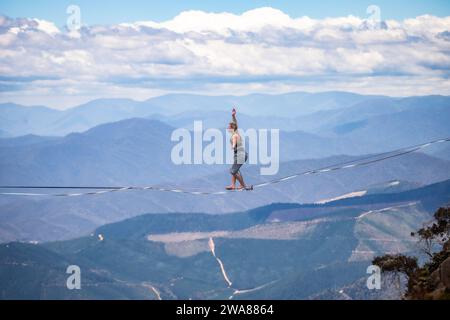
<point x="262" y="253"/>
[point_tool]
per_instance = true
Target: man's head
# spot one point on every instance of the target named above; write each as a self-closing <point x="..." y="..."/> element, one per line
<point x="232" y="127"/>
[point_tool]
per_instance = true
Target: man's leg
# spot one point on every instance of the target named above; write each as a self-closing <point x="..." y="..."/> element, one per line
<point x="233" y="180"/>
<point x="240" y="179"/>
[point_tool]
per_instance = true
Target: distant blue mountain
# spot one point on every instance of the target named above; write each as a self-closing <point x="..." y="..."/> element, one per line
<point x="137" y="152"/>
<point x="281" y="105"/>
<point x="20" y="120"/>
<point x="133" y="151"/>
<point x="17" y="120"/>
<point x="323" y="124"/>
<point x="125" y="142"/>
<point x="26" y="140"/>
<point x="410" y="126"/>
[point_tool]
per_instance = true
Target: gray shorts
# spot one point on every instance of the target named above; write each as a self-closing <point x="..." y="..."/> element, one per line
<point x="236" y="166"/>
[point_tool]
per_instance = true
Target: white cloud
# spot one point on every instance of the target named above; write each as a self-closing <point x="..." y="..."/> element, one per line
<point x="260" y="50"/>
<point x="46" y="26"/>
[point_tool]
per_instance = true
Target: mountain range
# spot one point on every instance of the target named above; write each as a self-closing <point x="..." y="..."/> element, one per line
<point x="335" y="112"/>
<point x="311" y="237"/>
<point x="137" y="152"/>
<point x="280" y="251"/>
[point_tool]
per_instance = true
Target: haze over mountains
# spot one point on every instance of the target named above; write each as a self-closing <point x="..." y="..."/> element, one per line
<point x="285" y="111"/>
<point x="337" y="219"/>
<point x="136" y="151"/>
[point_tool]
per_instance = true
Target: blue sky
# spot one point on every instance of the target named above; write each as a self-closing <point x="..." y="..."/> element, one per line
<point x="115" y="11"/>
<point x="139" y="49"/>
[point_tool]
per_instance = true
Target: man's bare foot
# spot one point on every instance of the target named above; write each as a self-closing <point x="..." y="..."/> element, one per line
<point x="230" y="188"/>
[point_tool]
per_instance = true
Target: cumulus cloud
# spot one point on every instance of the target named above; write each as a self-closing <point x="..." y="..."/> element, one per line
<point x="260" y="50"/>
